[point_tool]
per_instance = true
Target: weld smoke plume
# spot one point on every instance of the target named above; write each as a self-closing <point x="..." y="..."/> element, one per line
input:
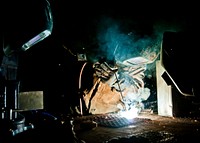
<point x="126" y="39"/>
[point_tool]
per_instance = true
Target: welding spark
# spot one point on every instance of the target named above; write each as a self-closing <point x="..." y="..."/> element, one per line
<point x="130" y="114"/>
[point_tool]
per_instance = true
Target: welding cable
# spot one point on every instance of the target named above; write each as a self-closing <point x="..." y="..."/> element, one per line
<point x="69" y="51"/>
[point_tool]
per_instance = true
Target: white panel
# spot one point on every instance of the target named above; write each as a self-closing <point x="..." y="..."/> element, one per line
<point x="164" y="93"/>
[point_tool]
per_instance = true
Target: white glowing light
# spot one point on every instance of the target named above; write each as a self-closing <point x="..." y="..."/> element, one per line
<point x="36" y="39"/>
<point x="130" y="114"/>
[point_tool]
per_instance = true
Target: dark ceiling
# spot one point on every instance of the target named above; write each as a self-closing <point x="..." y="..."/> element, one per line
<point x="76" y="25"/>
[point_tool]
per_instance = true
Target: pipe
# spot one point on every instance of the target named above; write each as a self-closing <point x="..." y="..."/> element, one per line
<point x="80" y="76"/>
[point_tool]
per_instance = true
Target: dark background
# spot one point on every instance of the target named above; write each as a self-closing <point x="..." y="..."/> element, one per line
<point x="48" y="66"/>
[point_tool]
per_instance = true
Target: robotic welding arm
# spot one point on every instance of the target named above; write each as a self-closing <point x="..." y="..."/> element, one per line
<point x="25" y="23"/>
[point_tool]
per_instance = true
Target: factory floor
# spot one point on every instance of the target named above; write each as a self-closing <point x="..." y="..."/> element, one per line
<point x="108" y="128"/>
<point x="146" y="128"/>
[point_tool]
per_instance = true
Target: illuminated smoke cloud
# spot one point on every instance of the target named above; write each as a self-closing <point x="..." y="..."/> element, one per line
<point x="116" y="39"/>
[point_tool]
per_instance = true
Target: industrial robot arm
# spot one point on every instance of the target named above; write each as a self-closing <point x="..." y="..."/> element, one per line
<point x="25" y="25"/>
